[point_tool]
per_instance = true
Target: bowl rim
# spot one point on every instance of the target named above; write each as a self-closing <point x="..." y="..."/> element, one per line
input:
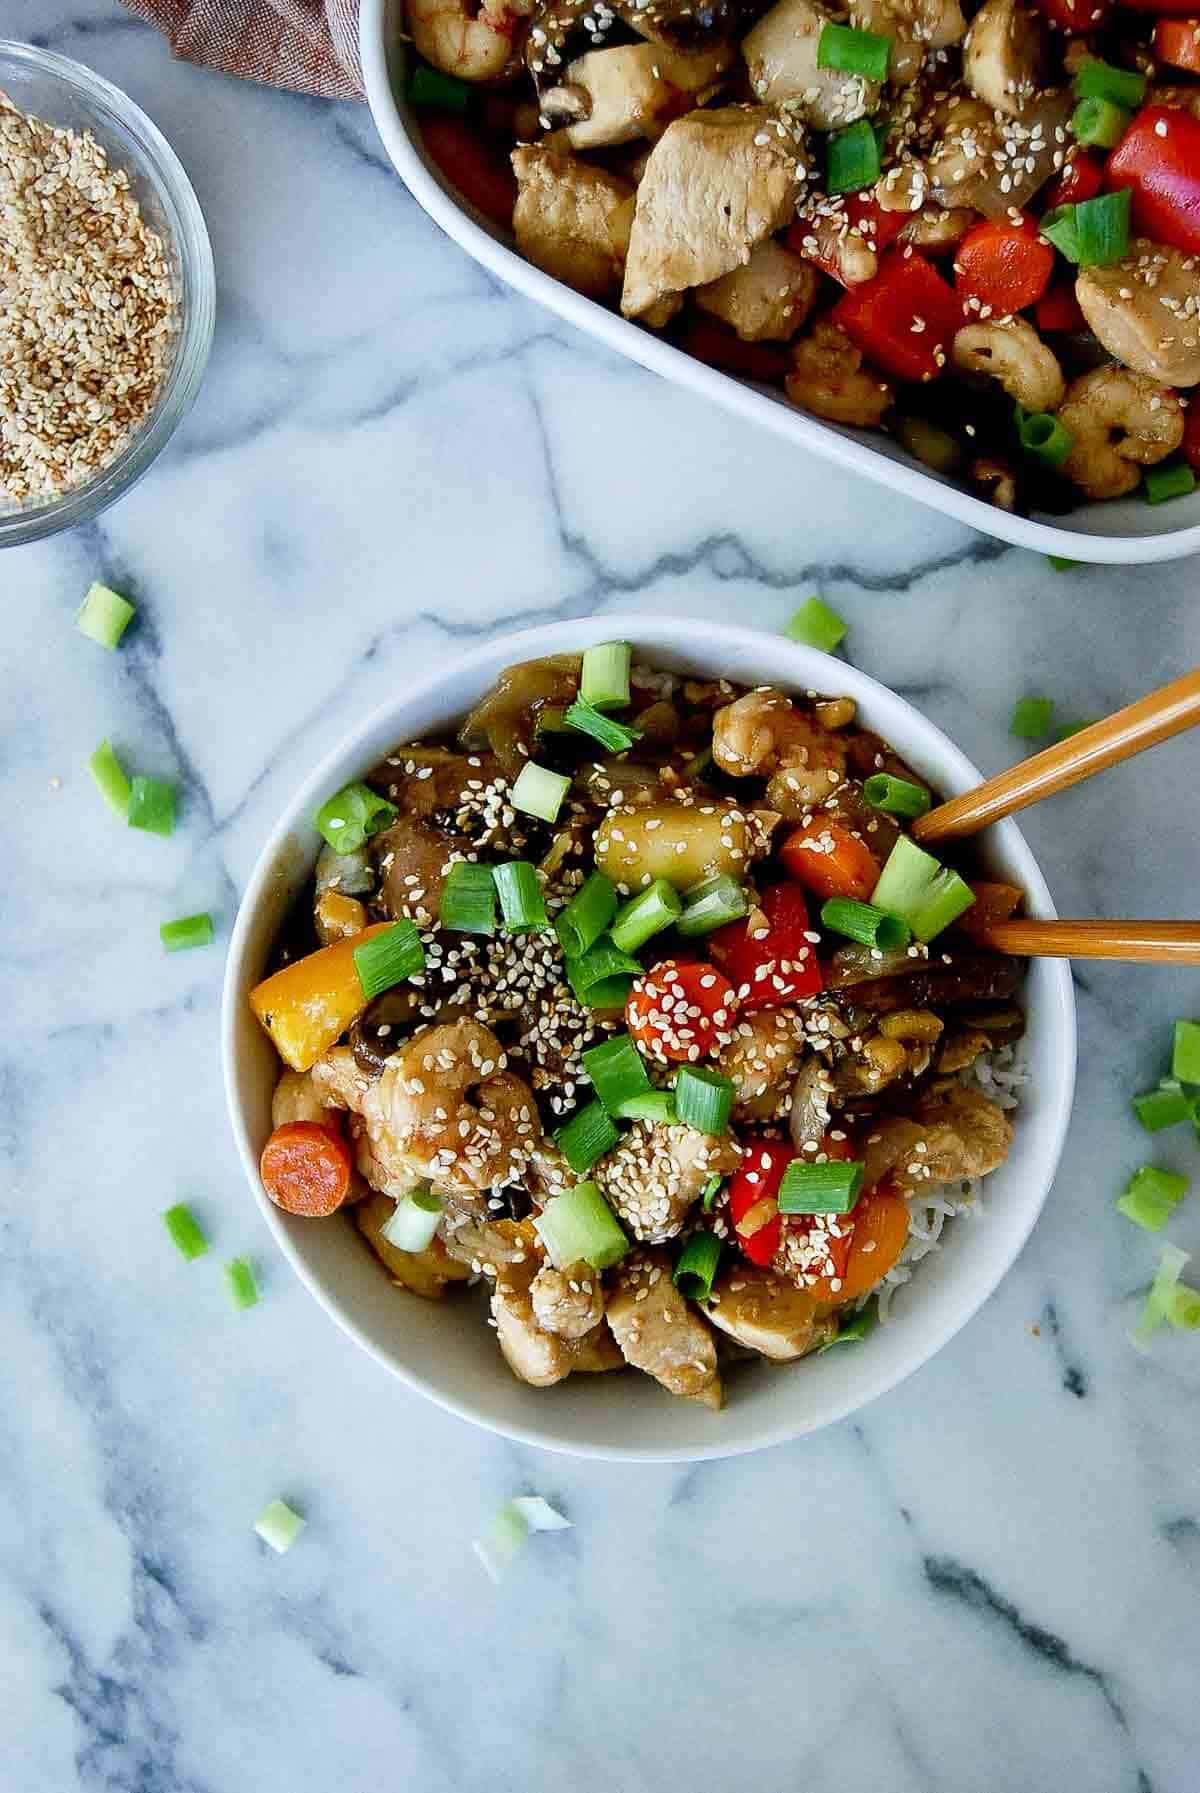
<point x="799" y="668"/>
<point x="464" y="227"/>
<point x="160" y="167"/>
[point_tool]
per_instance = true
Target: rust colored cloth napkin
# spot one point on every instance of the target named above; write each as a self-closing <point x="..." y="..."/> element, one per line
<point x="310" y="45"/>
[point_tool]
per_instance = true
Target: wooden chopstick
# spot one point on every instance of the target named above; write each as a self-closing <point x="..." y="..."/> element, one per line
<point x="1118" y="737"/>
<point x="1146" y="942"/>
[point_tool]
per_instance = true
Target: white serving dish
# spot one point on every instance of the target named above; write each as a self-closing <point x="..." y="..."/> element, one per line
<point x="1125" y="532"/>
<point x="445" y="1351"/>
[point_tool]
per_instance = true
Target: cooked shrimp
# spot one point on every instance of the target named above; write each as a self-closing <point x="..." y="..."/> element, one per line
<point x="764" y="734"/>
<point x="829" y="379"/>
<point x="419" y="1121"/>
<point x="476" y="43"/>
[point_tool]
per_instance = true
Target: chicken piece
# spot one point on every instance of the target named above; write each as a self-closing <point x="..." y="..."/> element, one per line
<point x="768" y="1313"/>
<point x="1146" y="311"/>
<point x="426" y="781"/>
<point x="764" y="735"/>
<point x="533" y="1355"/>
<point x="567" y="1302"/>
<point x="572" y="220"/>
<point x="952" y="1134"/>
<point x="829" y="239"/>
<point x="297" y="1098"/>
<point x="636" y="90"/>
<point x="828" y="378"/>
<point x="768" y="299"/>
<point x="970" y="976"/>
<point x="717" y="183"/>
<point x="658" y="1171"/>
<point x="761" y="1061"/>
<point x="781" y="55"/>
<point x="419" y="1121"/>
<point x="659" y="1333"/>
<point x="1004" y="56"/>
<point x="914" y="26"/>
<point x="421" y="1272"/>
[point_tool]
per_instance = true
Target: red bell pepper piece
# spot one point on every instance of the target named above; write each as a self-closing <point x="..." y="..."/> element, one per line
<point x="718" y="347"/>
<point x="1191" y="435"/>
<point x="1058" y="309"/>
<point x="830" y="859"/>
<point x="1172" y="9"/>
<point x="1076" y="17"/>
<point x="1177" y="41"/>
<point x="1158" y="159"/>
<point x="1003" y="264"/>
<point x="1079" y="179"/>
<point x="865" y="215"/>
<point x="757" y="1180"/>
<point x="481" y="175"/>
<point x="680" y="1011"/>
<point x="775" y="967"/>
<point x="904" y="319"/>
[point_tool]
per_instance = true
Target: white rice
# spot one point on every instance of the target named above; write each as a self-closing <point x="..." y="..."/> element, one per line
<point x="997" y="1075"/>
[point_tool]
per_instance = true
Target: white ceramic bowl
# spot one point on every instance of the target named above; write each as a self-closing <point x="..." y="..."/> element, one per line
<point x="1126" y="531"/>
<point x="446" y="1351"/>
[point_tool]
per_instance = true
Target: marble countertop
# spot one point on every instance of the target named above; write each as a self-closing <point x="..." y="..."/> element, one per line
<point x="985" y="1583"/>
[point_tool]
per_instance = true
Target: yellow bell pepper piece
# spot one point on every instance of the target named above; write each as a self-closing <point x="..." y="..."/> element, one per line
<point x="307" y="1007"/>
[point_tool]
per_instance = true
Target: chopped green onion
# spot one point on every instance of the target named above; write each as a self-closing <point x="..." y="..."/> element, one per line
<point x="586" y="1137"/>
<point x="104" y="615"/>
<point x="864" y="1322"/>
<point x="1163" y="1107"/>
<point x="539" y="792"/>
<point x="1044" y="437"/>
<point x="430" y="87"/>
<point x="896" y="796"/>
<point x="831" y="1188"/>
<point x="1171" y="479"/>
<point x="510" y="1529"/>
<point x="151" y="805"/>
<point x="603" y="993"/>
<point x="586" y="916"/>
<point x="240" y="1285"/>
<point x="712" y="1190"/>
<point x="653" y="1105"/>
<point x="1102" y="228"/>
<point x="1096" y="80"/>
<point x="548" y="721"/>
<point x="189" y="931"/>
<point x="1185" y="1058"/>
<point x="110" y="778"/>
<point x="580" y="1226"/>
<point x="468" y="904"/>
<point x="1151" y="1196"/>
<point x="710" y="904"/>
<point x="647" y="914"/>
<point x="1073" y="728"/>
<point x="279" y="1526"/>
<point x="346" y="820"/>
<point x="601" y="962"/>
<point x="854" y="52"/>
<point x="413" y="1222"/>
<point x="1031" y="718"/>
<point x="1061" y="564"/>
<point x="185" y="1231"/>
<point x="588" y="721"/>
<point x="389" y="958"/>
<point x="1099" y="123"/>
<point x="696" y="1266"/>
<point x="617" y="1071"/>
<point x="1160" y="1299"/>
<point x="521" y="901"/>
<point x="852" y="159"/>
<point x="1059" y="227"/>
<point x="604" y="675"/>
<point x="864" y="923"/>
<point x="703" y="1099"/>
<point x="816" y="625"/>
<point x="926" y="895"/>
<point x="1184" y="1311"/>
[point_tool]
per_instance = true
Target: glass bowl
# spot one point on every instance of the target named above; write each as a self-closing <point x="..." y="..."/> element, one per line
<point x="65" y="93"/>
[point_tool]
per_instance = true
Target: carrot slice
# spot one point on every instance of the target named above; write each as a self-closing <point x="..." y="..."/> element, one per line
<point x="306" y="1169"/>
<point x="829" y="858"/>
<point x="880" y="1232"/>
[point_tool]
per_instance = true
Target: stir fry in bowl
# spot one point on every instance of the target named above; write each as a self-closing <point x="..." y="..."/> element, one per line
<point x="637" y="1000"/>
<point x="976" y="228"/>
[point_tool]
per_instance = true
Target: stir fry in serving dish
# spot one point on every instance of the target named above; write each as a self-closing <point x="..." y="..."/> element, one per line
<point x="976" y="229"/>
<point x="637" y="999"/>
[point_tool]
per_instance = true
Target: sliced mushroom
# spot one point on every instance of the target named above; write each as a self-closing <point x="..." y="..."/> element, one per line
<point x="768" y="1313"/>
<point x="812" y="1094"/>
<point x="995" y="163"/>
<point x="1004" y="55"/>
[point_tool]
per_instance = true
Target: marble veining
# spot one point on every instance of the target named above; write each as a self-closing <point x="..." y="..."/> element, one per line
<point x="987" y="1582"/>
